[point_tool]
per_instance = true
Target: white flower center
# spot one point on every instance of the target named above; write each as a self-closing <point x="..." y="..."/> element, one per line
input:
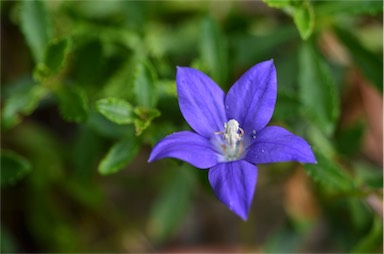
<point x="231" y="145"/>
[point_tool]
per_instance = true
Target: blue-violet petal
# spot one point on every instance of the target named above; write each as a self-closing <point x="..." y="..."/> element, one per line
<point x="251" y="100"/>
<point x="276" y="144"/>
<point x="234" y="184"/>
<point x="187" y="146"/>
<point x="201" y="101"/>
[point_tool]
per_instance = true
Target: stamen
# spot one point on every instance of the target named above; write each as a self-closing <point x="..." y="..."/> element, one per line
<point x="233" y="146"/>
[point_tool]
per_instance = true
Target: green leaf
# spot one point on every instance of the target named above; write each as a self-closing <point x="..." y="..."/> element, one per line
<point x="373" y="241"/>
<point x="86" y="150"/>
<point x="317" y="90"/>
<point x="106" y="128"/>
<point x="13" y="167"/>
<point x="55" y="54"/>
<point x="370" y="63"/>
<point x="329" y="174"/>
<point x="73" y="103"/>
<point x="87" y="193"/>
<point x="356" y="7"/>
<point x="166" y="88"/>
<point x="287" y="106"/>
<point x="304" y="18"/>
<point x="36" y="27"/>
<point x="120" y="84"/>
<point x="144" y="84"/>
<point x="319" y="140"/>
<point x="117" y="110"/>
<point x="145" y="117"/>
<point x="301" y="11"/>
<point x="278" y="3"/>
<point x="165" y="215"/>
<point x="44" y="151"/>
<point x="249" y="49"/>
<point x="87" y="61"/>
<point x="348" y="139"/>
<point x="214" y="51"/>
<point x="21" y="103"/>
<point x="54" y="59"/>
<point x="368" y="175"/>
<point x="120" y="155"/>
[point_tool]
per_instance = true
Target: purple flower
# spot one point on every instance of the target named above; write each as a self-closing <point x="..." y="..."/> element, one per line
<point x="231" y="133"/>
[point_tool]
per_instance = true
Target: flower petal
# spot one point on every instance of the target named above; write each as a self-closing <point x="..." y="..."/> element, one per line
<point x="251" y="100"/>
<point x="276" y="144"/>
<point x="201" y="101"/>
<point x="186" y="146"/>
<point x="234" y="185"/>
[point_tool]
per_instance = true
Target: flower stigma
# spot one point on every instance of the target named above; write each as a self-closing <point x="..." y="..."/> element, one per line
<point x="232" y="146"/>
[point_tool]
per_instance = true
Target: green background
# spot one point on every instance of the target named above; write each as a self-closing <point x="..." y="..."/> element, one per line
<point x="88" y="88"/>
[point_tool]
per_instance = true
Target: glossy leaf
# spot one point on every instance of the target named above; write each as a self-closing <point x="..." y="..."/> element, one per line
<point x="13" y="167"/>
<point x="73" y="103"/>
<point x="301" y="11"/>
<point x="304" y="18"/>
<point x="106" y="128"/>
<point x="21" y="103"/>
<point x="317" y="90"/>
<point x="56" y="53"/>
<point x="117" y="110"/>
<point x="36" y="27"/>
<point x="119" y="156"/>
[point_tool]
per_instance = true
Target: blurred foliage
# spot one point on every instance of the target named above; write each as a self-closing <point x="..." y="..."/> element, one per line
<point x="88" y="87"/>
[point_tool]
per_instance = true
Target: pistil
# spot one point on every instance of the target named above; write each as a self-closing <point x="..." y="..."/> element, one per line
<point x="233" y="146"/>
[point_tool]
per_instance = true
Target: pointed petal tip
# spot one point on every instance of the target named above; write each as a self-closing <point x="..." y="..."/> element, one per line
<point x="311" y="157"/>
<point x="243" y="217"/>
<point x="269" y="61"/>
<point x="257" y="89"/>
<point x="314" y="161"/>
<point x="152" y="157"/>
<point x="234" y="185"/>
<point x="276" y="144"/>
